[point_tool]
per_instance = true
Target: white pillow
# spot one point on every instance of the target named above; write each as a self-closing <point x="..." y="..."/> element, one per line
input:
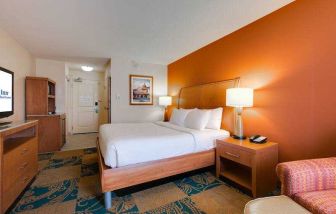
<point x="178" y="116"/>
<point x="197" y="119"/>
<point x="215" y="119"/>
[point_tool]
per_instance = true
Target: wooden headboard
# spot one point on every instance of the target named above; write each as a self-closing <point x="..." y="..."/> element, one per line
<point x="209" y="95"/>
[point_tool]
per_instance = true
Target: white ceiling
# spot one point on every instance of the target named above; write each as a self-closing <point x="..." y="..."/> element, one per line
<point x="98" y="64"/>
<point x="155" y="31"/>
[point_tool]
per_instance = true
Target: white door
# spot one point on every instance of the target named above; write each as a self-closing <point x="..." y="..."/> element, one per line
<point x="85" y="106"/>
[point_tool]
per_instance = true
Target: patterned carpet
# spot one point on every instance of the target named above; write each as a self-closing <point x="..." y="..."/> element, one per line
<point x="68" y="183"/>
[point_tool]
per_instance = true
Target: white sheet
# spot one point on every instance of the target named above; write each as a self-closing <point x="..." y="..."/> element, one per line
<point x="123" y="144"/>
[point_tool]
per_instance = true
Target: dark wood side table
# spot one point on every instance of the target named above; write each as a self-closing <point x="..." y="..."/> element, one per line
<point x="250" y="165"/>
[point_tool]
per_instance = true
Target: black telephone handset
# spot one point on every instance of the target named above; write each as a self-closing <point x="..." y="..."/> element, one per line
<point x="258" y="139"/>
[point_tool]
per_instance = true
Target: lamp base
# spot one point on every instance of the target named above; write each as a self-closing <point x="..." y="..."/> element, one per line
<point x="165" y="116"/>
<point x="238" y="137"/>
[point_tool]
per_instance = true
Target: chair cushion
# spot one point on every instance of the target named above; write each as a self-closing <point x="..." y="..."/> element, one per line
<point x="275" y="205"/>
<point x="318" y="174"/>
<point x="320" y="202"/>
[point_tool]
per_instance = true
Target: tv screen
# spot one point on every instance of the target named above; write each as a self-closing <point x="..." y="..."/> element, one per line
<point x="6" y="93"/>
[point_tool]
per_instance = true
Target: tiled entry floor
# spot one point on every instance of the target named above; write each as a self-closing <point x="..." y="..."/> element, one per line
<point x="80" y="141"/>
<point x="68" y="183"/>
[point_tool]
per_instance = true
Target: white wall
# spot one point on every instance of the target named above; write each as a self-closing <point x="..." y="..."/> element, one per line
<point x="121" y="111"/>
<point x="17" y="59"/>
<point x="54" y="70"/>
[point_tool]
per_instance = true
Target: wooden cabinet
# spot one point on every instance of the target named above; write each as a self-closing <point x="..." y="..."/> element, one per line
<point x="41" y="106"/>
<point x="52" y="131"/>
<point x="18" y="162"/>
<point x="63" y="129"/>
<point x="40" y="96"/>
<point x="251" y="166"/>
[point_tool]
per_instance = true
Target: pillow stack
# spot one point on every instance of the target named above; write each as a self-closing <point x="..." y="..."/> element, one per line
<point x="198" y="119"/>
<point x="215" y="119"/>
<point x="178" y="116"/>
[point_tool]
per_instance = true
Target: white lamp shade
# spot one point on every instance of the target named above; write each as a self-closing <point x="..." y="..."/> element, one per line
<point x="239" y="97"/>
<point x="165" y="100"/>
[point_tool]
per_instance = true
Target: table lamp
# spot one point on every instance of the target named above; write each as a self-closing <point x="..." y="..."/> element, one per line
<point x="239" y="98"/>
<point x="165" y="101"/>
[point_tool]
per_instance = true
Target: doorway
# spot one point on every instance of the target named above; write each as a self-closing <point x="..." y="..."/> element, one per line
<point x="85" y="106"/>
<point x="86" y="103"/>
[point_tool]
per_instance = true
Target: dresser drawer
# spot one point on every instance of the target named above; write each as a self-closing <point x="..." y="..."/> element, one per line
<point x="19" y="161"/>
<point x="235" y="154"/>
<point x="14" y="157"/>
<point x="26" y="167"/>
<point x="11" y="192"/>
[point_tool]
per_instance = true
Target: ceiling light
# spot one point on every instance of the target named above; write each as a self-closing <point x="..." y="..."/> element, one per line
<point x="87" y="68"/>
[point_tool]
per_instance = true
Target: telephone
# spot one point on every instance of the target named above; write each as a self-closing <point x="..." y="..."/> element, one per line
<point x="258" y="139"/>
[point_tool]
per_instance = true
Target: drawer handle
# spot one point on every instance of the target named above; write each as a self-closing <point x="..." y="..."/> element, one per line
<point x="233" y="155"/>
<point x="24" y="165"/>
<point x="24" y="151"/>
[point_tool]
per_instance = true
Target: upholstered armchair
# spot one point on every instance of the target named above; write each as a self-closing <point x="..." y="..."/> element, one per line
<point x="311" y="183"/>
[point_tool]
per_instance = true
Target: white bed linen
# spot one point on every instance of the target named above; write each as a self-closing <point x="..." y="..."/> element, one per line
<point x="123" y="144"/>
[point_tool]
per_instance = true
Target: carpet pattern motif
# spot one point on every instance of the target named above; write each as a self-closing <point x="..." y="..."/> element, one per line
<point x="68" y="183"/>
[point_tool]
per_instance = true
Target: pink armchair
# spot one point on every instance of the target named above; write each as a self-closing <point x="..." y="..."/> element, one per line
<point x="311" y="183"/>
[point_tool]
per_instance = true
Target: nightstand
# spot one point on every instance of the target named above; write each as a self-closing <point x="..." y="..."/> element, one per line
<point x="250" y="165"/>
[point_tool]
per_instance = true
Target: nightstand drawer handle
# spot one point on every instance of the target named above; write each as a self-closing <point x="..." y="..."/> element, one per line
<point x="233" y="155"/>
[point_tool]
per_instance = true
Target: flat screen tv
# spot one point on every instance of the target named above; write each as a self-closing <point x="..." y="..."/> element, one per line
<point x="6" y="93"/>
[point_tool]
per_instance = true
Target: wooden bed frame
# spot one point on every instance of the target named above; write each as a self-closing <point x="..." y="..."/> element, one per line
<point x="208" y="95"/>
<point x="117" y="178"/>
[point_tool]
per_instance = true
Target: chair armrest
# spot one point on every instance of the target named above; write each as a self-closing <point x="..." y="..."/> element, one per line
<point x="307" y="175"/>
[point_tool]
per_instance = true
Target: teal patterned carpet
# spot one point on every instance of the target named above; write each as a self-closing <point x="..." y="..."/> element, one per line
<point x="68" y="183"/>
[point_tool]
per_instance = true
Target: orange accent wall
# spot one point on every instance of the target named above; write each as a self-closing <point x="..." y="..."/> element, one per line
<point x="289" y="58"/>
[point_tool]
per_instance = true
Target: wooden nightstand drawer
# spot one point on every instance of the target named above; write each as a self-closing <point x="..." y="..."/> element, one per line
<point x="234" y="154"/>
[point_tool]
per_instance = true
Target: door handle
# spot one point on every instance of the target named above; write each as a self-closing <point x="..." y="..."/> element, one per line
<point x="96" y="109"/>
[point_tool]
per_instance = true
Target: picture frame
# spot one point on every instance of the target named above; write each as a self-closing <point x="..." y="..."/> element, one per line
<point x="141" y="90"/>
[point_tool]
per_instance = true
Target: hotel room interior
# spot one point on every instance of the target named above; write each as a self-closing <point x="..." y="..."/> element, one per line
<point x="176" y="106"/>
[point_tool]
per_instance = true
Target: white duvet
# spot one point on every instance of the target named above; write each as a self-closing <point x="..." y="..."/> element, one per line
<point x="123" y="144"/>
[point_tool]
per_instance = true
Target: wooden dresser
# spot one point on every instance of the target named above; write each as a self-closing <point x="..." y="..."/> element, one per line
<point x="19" y="163"/>
<point x="41" y="106"/>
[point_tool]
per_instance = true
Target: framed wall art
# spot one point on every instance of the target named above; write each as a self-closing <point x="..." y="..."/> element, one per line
<point x="141" y="90"/>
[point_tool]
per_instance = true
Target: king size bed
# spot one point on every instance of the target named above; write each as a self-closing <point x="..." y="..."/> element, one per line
<point x="135" y="153"/>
